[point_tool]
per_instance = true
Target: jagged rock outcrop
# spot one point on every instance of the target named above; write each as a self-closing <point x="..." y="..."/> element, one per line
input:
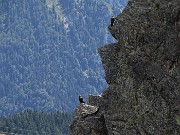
<point x="143" y="73"/>
<point x="87" y="121"/>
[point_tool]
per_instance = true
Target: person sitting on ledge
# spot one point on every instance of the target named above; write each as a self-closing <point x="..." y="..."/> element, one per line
<point x="112" y="20"/>
<point x="81" y="99"/>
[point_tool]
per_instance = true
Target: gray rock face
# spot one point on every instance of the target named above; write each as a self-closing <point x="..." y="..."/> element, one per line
<point x="143" y="73"/>
<point x="87" y="121"/>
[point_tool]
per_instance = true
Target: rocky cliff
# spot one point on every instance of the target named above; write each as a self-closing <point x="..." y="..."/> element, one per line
<point x="143" y="73"/>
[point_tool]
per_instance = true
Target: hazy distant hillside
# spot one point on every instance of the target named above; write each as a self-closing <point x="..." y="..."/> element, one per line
<point x="48" y="52"/>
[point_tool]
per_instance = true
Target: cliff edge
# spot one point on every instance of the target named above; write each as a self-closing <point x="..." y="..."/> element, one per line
<point x="143" y="73"/>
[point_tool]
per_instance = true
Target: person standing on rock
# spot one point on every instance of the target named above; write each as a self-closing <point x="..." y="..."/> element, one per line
<point x="81" y="99"/>
<point x="112" y="20"/>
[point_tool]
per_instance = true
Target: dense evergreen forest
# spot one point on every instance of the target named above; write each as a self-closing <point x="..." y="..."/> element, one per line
<point x="36" y="123"/>
<point x="48" y="52"/>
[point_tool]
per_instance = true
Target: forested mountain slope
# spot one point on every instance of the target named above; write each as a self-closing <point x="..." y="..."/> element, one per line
<point x="48" y="52"/>
<point x="36" y="123"/>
